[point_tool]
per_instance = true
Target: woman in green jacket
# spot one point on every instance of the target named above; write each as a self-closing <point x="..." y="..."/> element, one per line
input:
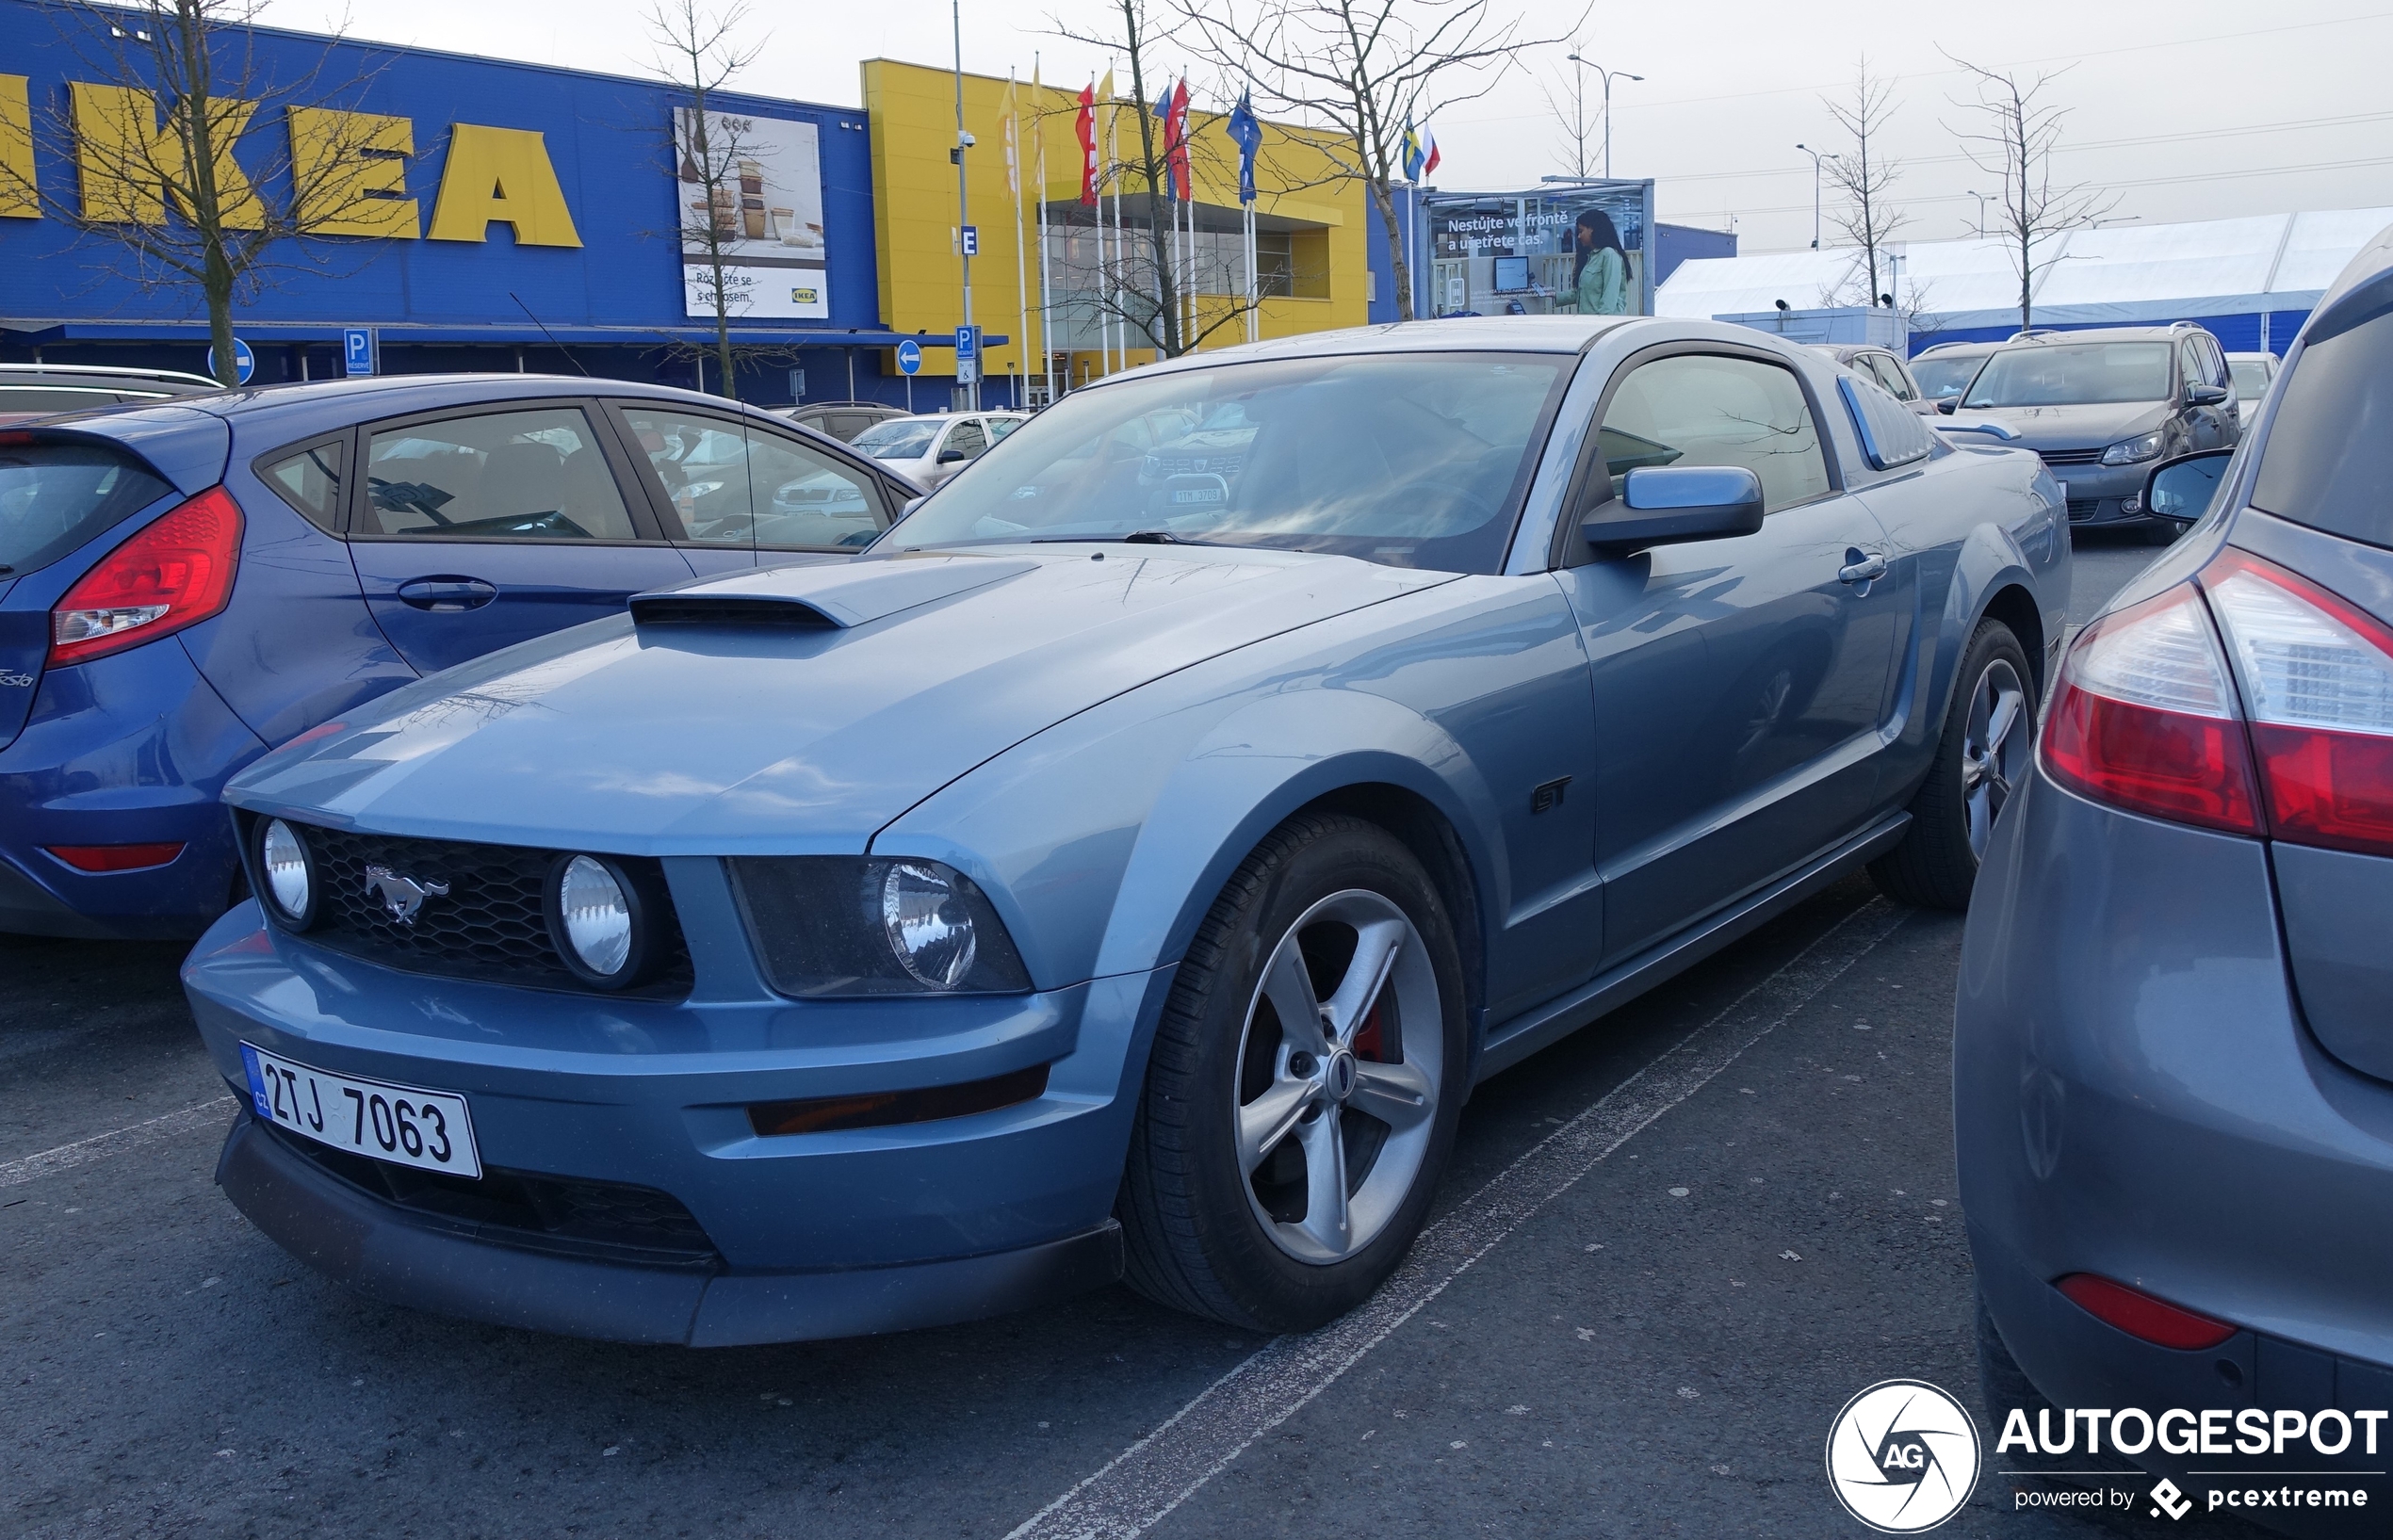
<point x="1599" y="283"/>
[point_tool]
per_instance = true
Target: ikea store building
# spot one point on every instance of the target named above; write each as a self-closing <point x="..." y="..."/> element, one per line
<point x="523" y="217"/>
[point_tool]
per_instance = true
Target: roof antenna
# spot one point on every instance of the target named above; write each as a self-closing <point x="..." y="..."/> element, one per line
<point x="550" y="336"/>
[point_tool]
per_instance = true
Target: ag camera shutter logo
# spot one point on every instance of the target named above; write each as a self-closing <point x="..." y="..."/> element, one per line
<point x="1902" y="1456"/>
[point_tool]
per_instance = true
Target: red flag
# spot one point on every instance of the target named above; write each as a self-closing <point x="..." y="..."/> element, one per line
<point x="1176" y="141"/>
<point x="1085" y="126"/>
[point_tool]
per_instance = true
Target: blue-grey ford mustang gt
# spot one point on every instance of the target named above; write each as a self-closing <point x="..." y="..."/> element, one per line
<point x="1125" y="867"/>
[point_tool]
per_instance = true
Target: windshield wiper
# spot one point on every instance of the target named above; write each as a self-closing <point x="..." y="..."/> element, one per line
<point x="1136" y="536"/>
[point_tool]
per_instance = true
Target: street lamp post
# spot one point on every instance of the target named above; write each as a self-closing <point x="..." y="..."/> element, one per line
<point x="1816" y="158"/>
<point x="1981" y="213"/>
<point x="1608" y="75"/>
<point x="964" y="203"/>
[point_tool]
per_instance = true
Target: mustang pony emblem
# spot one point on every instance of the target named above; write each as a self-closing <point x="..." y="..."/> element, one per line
<point x="401" y="896"/>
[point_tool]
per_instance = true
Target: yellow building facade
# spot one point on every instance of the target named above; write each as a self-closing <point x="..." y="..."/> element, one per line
<point x="1313" y="264"/>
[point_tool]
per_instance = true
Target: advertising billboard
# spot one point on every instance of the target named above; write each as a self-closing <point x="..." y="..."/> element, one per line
<point x="1575" y="248"/>
<point x="766" y="213"/>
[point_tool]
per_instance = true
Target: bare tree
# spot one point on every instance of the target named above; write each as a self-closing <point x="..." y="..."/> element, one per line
<point x="1364" y="69"/>
<point x="1566" y="99"/>
<point x="1151" y="289"/>
<point x="698" y="52"/>
<point x="171" y="89"/>
<point x="2017" y="129"/>
<point x="1864" y="176"/>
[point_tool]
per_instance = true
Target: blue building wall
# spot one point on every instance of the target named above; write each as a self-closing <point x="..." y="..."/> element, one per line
<point x="615" y="303"/>
<point x="1677" y="243"/>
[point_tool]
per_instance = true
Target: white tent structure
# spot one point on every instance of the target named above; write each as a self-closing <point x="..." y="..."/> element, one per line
<point x="2251" y="281"/>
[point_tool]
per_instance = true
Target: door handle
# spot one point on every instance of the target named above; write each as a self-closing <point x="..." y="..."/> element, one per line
<point x="446" y="594"/>
<point x="1861" y="569"/>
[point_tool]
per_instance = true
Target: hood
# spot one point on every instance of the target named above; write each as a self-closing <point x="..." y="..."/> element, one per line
<point x="2071" y="427"/>
<point x="806" y="709"/>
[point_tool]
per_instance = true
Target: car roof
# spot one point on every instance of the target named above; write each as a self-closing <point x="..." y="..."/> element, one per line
<point x="1957" y="348"/>
<point x="2109" y="333"/>
<point x="100" y="375"/>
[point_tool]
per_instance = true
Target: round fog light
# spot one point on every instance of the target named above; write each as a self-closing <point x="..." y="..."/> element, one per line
<point x="595" y="920"/>
<point x="290" y="878"/>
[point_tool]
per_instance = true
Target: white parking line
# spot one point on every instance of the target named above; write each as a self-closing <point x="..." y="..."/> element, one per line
<point x="1146" y="1482"/>
<point x="100" y="1146"/>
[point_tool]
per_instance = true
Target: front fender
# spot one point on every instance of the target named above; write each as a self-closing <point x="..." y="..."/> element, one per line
<point x="1103" y="841"/>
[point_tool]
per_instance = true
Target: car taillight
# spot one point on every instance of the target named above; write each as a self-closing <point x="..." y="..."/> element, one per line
<point x="2144" y="718"/>
<point x="2286" y="730"/>
<point x="175" y="571"/>
<point x="2316" y="675"/>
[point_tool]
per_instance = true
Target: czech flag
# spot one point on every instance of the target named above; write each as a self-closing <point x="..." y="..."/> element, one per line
<point x="1419" y="153"/>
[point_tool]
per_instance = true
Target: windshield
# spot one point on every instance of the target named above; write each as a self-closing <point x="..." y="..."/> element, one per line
<point x="1945" y="376"/>
<point x="2074" y="374"/>
<point x="900" y="438"/>
<point x="2251" y="377"/>
<point x="1411" y="460"/>
<point x="55" y="496"/>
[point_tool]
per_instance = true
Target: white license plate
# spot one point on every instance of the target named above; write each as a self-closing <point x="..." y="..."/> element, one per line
<point x="402" y="1124"/>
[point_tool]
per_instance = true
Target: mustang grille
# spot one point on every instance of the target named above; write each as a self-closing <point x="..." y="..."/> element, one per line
<point x="491" y="922"/>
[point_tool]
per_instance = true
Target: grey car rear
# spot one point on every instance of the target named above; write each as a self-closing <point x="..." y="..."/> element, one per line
<point x="2172" y="1050"/>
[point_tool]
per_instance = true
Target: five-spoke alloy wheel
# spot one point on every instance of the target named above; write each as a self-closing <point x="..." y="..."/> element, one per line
<point x="1303" y="1088"/>
<point x="1981" y="757"/>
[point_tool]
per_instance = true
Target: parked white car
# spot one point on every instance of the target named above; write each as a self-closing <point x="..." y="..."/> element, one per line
<point x="2252" y="372"/>
<point x="929" y="449"/>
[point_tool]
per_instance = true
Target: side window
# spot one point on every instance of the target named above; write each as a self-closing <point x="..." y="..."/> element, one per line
<point x="310" y="481"/>
<point x="999" y="427"/>
<point x="966" y="439"/>
<point x="2218" y="360"/>
<point x="805" y="497"/>
<point x="504" y="474"/>
<point x="703" y="463"/>
<point x="1890" y="373"/>
<point x="2189" y="360"/>
<point x="1702" y="410"/>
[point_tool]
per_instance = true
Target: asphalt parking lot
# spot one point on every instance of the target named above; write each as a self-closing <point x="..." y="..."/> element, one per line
<point x="1669" y="1249"/>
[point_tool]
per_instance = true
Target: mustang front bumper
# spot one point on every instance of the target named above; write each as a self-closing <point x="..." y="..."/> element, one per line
<point x="765" y="1239"/>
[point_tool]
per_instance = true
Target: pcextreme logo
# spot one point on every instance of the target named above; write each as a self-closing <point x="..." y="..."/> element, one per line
<point x="1902" y="1456"/>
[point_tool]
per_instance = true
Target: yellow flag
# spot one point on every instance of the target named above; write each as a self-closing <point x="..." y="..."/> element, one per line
<point x="1113" y="120"/>
<point x="1038" y="131"/>
<point x="1009" y="118"/>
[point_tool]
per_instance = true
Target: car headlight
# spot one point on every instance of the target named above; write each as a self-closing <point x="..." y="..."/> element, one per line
<point x="598" y="920"/>
<point x="288" y="869"/>
<point x="2131" y="450"/>
<point x="827" y="926"/>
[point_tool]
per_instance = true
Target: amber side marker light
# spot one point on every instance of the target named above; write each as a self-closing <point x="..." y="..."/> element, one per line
<point x="888" y="1108"/>
<point x="2140" y="1315"/>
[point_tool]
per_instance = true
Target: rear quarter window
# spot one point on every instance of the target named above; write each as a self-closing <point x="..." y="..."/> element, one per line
<point x="2329" y="457"/>
<point x="55" y="497"/>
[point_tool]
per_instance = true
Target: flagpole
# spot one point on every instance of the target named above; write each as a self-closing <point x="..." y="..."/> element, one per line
<point x="1021" y="266"/>
<point x="1114" y="164"/>
<point x="1046" y="293"/>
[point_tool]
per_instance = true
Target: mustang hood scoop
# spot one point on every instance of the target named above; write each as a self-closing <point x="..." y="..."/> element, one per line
<point x="837" y="595"/>
<point x="796" y="710"/>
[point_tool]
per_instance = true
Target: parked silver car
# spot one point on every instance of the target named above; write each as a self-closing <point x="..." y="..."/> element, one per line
<point x="929" y="449"/>
<point x="2254" y="373"/>
<point x="2173" y="1072"/>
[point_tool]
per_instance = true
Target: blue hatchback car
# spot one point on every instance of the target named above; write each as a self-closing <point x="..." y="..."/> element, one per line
<point x="2173" y="1054"/>
<point x="185" y="585"/>
<point x="1127" y="865"/>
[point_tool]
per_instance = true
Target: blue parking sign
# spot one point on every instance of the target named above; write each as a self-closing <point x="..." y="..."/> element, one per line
<point x="357" y="350"/>
<point x="967" y="344"/>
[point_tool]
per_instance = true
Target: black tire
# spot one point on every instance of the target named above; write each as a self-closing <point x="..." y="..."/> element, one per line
<point x="1936" y="864"/>
<point x="1192" y="1236"/>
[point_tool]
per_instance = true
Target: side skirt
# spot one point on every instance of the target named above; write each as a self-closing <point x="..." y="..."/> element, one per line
<point x="1542" y="1025"/>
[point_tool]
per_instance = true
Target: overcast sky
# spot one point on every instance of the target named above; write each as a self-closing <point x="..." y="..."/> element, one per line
<point x="2186" y="109"/>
